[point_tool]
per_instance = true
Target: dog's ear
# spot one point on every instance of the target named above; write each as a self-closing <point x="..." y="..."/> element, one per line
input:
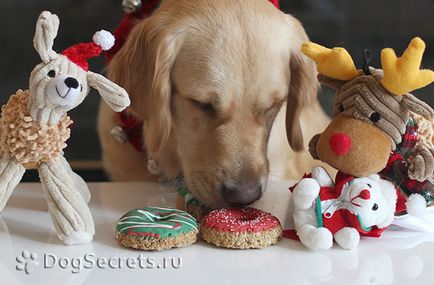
<point x="143" y="67"/>
<point x="303" y="85"/>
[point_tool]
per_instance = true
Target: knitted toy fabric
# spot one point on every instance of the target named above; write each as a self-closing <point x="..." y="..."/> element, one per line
<point x="34" y="127"/>
<point x="324" y="211"/>
<point x="375" y="120"/>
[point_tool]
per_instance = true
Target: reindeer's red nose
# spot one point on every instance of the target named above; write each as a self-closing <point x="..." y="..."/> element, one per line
<point x="340" y="144"/>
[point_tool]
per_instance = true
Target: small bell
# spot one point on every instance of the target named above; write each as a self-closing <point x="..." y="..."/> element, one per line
<point x="131" y="6"/>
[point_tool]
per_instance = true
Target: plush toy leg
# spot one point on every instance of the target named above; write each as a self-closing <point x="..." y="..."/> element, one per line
<point x="347" y="238"/>
<point x="78" y="181"/>
<point x="305" y="193"/>
<point x="315" y="238"/>
<point x="69" y="211"/>
<point x="11" y="173"/>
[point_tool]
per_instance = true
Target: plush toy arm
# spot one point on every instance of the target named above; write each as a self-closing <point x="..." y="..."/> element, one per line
<point x="305" y="193"/>
<point x="70" y="214"/>
<point x="322" y="177"/>
<point x="421" y="164"/>
<point x="114" y="95"/>
<point x="347" y="238"/>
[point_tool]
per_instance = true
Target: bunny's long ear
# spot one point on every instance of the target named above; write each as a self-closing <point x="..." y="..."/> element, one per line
<point x="46" y="31"/>
<point x="114" y="95"/>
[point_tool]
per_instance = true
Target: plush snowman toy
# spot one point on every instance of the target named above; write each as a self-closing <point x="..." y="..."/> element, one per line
<point x="324" y="210"/>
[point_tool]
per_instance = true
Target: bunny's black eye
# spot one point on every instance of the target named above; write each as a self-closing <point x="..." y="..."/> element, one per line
<point x="51" y="73"/>
<point x="375" y="207"/>
<point x="375" y="117"/>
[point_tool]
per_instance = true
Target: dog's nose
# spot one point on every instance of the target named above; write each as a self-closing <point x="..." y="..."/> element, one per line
<point x="340" y="143"/>
<point x="243" y="195"/>
<point x="71" y="83"/>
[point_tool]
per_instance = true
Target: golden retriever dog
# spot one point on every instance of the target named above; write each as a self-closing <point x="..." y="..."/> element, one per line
<point x="224" y="94"/>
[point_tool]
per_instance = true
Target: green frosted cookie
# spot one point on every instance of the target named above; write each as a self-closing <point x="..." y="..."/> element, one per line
<point x="156" y="228"/>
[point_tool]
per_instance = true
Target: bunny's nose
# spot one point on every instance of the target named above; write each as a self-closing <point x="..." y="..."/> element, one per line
<point x="71" y="83"/>
<point x="340" y="144"/>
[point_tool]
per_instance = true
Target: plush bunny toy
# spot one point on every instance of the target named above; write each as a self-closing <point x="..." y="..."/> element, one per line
<point x="352" y="207"/>
<point x="34" y="127"/>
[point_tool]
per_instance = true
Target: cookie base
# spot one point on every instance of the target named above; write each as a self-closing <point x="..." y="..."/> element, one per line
<point x="241" y="240"/>
<point x="156" y="244"/>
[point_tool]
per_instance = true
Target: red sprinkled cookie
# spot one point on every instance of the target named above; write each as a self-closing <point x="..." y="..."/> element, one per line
<point x="241" y="228"/>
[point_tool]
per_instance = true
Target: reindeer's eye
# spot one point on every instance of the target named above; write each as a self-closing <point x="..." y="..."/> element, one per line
<point x="375" y="207"/>
<point x="375" y="117"/>
<point x="51" y="73"/>
<point x="341" y="107"/>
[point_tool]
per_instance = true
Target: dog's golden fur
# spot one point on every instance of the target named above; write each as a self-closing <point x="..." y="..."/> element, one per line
<point x="211" y="81"/>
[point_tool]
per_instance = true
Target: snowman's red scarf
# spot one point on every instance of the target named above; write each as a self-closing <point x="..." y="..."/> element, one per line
<point x="131" y="124"/>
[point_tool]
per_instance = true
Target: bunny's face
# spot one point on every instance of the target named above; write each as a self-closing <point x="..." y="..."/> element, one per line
<point x="62" y="83"/>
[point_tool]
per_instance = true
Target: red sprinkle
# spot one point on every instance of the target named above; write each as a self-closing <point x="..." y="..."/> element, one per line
<point x="240" y="220"/>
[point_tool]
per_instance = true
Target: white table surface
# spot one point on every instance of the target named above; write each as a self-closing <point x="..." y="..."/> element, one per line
<point x="399" y="257"/>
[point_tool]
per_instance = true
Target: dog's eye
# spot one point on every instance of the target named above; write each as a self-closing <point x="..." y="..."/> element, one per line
<point x="375" y="207"/>
<point x="205" y="107"/>
<point x="51" y="73"/>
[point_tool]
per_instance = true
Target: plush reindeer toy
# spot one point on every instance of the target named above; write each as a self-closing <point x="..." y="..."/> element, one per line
<point x="34" y="127"/>
<point x="378" y="126"/>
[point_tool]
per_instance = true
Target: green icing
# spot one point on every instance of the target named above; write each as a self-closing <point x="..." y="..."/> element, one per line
<point x="157" y="222"/>
<point x="190" y="199"/>
<point x="183" y="191"/>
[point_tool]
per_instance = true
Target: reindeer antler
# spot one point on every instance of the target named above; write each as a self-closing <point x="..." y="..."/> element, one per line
<point x="335" y="63"/>
<point x="403" y="74"/>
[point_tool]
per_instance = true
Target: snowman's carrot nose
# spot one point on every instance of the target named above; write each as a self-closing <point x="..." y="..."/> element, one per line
<point x="365" y="195"/>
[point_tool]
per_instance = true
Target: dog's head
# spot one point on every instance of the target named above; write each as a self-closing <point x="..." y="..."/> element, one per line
<point x="209" y="86"/>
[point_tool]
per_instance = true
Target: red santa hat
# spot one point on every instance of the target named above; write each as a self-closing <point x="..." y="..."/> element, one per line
<point x="82" y="52"/>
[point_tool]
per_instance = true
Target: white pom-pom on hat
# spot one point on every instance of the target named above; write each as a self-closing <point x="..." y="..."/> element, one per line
<point x="416" y="205"/>
<point x="104" y="39"/>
